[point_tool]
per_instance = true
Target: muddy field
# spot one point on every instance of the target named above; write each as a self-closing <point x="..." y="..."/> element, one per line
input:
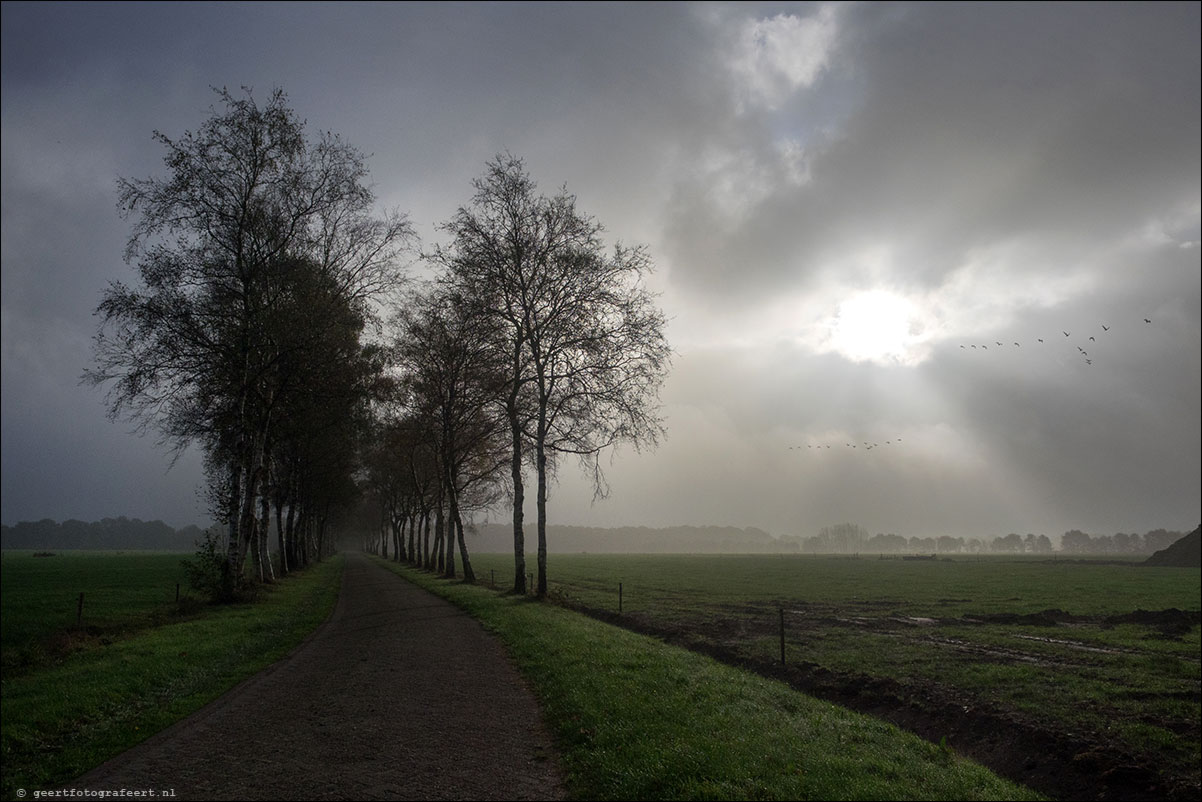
<point x="1096" y="698"/>
<point x="1057" y="760"/>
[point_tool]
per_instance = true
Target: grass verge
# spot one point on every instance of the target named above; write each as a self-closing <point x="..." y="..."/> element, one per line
<point x="61" y="720"/>
<point x="635" y="718"/>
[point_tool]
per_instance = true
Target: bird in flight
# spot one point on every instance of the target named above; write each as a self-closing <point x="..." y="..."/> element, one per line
<point x="1105" y="327"/>
<point x="1092" y="340"/>
<point x="1041" y="339"/>
<point x="1065" y="333"/>
<point x="1147" y="321"/>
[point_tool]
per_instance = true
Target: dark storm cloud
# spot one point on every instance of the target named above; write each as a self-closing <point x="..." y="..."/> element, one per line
<point x="969" y="124"/>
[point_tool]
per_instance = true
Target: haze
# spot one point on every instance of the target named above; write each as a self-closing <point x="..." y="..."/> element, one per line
<point x="864" y="217"/>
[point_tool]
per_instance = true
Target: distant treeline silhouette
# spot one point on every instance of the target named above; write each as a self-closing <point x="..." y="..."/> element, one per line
<point x="838" y="539"/>
<point x="849" y="538"/>
<point x="110" y="533"/>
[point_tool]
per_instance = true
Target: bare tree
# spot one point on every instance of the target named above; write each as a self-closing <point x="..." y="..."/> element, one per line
<point x="583" y="341"/>
<point x="450" y="364"/>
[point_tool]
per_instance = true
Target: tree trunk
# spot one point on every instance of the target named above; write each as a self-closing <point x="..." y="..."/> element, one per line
<point x="519" y="500"/>
<point x="290" y="523"/>
<point x="229" y="567"/>
<point x="468" y="574"/>
<point x="264" y="547"/>
<point x="452" y="509"/>
<point x="541" y="500"/>
<point x="398" y="537"/>
<point x="450" y="534"/>
<point x="319" y="542"/>
<point x="253" y="471"/>
<point x="439" y="545"/>
<point x="281" y="536"/>
<point x="427" y="556"/>
<point x="412" y="535"/>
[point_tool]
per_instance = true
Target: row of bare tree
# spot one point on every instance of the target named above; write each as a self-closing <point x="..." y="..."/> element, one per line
<point x="273" y="326"/>
<point x="534" y="342"/>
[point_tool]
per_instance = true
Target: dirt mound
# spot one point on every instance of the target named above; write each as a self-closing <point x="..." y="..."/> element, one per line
<point x="1185" y="553"/>
<point x="1047" y="618"/>
<point x="1171" y="622"/>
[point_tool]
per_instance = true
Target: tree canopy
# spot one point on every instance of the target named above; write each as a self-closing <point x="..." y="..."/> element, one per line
<point x="258" y="255"/>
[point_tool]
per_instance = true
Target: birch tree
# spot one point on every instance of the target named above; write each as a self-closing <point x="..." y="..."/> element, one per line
<point x="189" y="351"/>
<point x="584" y="343"/>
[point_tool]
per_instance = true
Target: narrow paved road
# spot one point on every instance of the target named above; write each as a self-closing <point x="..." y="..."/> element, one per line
<point x="400" y="695"/>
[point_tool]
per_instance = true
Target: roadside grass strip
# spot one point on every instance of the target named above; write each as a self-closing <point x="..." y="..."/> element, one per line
<point x="63" y="719"/>
<point x="634" y="718"/>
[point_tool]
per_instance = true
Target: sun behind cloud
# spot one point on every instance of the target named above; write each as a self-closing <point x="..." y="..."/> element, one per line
<point x="875" y="325"/>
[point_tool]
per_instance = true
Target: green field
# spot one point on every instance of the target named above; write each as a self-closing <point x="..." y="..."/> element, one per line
<point x="121" y="591"/>
<point x="1050" y="648"/>
<point x="1054" y="648"/>
<point x="74" y="696"/>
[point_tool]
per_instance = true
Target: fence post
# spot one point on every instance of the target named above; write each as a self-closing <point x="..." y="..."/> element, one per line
<point x="177" y="593"/>
<point x="79" y="611"/>
<point x="782" y="635"/>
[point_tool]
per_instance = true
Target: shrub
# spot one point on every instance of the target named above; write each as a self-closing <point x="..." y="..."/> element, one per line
<point x="209" y="574"/>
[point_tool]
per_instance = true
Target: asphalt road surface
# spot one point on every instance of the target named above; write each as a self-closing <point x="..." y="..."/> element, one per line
<point x="399" y="695"/>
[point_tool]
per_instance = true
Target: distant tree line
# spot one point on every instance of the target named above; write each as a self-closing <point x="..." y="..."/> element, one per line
<point x="850" y="539"/>
<point x="109" y="533"/>
<point x="1077" y="542"/>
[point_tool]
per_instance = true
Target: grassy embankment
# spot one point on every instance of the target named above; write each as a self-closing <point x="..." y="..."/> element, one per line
<point x="973" y="625"/>
<point x="74" y="696"/>
<point x="637" y="719"/>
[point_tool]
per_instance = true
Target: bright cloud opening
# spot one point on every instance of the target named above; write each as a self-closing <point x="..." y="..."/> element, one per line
<point x="874" y="326"/>
<point x="774" y="57"/>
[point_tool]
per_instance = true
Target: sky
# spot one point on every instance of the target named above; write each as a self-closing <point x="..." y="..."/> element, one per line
<point x="931" y="269"/>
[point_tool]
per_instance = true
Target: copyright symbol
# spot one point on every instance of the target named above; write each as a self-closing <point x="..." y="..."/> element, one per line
<point x="20" y="793"/>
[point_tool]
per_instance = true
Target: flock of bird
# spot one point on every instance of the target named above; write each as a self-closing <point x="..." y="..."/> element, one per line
<point x="867" y="446"/>
<point x="1083" y="353"/>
